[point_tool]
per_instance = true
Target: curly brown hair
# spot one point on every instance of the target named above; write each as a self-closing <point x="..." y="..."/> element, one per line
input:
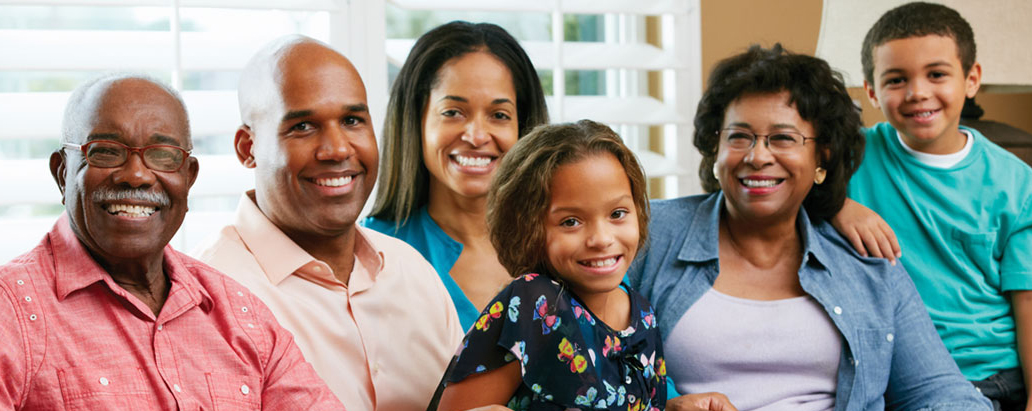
<point x="521" y="189"/>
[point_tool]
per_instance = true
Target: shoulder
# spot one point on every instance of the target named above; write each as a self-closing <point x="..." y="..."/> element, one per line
<point x="220" y="245"/>
<point x="681" y="206"/>
<point x="848" y="268"/>
<point x="1006" y="167"/>
<point x="394" y="249"/>
<point x="32" y="269"/>
<point x="381" y="225"/>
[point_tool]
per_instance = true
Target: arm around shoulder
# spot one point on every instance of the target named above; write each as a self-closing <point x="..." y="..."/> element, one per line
<point x="923" y="375"/>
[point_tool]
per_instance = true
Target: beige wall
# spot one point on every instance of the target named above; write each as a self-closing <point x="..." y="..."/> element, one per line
<point x="730" y="26"/>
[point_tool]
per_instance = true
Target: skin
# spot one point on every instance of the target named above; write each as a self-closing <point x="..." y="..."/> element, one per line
<point x="137" y="113"/>
<point x="591" y="215"/>
<point x="313" y="149"/>
<point x="912" y="75"/>
<point x="592" y="219"/>
<point x="919" y="75"/>
<point x="760" y="251"/>
<point x="471" y="112"/>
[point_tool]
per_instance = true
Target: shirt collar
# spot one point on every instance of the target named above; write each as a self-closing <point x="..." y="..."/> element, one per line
<point x="279" y="256"/>
<point x="75" y="268"/>
<point x="701" y="243"/>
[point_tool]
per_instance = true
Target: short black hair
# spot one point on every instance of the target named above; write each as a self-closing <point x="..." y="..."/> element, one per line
<point x="820" y="97"/>
<point x="919" y="19"/>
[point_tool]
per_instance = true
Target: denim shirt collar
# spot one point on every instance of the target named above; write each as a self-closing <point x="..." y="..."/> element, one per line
<point x="703" y="235"/>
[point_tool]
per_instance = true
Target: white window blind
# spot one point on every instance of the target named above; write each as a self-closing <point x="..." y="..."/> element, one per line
<point x="591" y="55"/>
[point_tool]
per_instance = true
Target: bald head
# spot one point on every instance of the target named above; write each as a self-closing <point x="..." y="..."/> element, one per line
<point x="85" y="100"/>
<point x="262" y="80"/>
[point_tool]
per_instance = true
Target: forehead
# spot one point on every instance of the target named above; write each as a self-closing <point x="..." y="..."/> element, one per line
<point x="311" y="75"/>
<point x="475" y="71"/>
<point x="134" y="108"/>
<point x="916" y="51"/>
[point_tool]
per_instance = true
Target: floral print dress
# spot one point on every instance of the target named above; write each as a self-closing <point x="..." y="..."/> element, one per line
<point x="568" y="359"/>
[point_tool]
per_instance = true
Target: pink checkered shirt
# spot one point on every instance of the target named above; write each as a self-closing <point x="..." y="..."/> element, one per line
<point x="70" y="338"/>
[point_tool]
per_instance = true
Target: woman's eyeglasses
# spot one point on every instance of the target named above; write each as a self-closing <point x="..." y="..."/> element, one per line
<point x="780" y="142"/>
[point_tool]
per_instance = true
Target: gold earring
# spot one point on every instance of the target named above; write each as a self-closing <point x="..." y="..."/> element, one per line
<point x="820" y="175"/>
<point x="716" y="174"/>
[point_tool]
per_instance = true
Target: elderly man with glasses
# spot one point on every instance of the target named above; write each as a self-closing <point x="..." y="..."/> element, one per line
<point x="103" y="314"/>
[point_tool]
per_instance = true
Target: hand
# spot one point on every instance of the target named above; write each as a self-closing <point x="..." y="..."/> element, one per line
<point x="867" y="231"/>
<point x="708" y="401"/>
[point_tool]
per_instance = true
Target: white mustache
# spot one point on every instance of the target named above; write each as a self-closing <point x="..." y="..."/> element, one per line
<point x="107" y="195"/>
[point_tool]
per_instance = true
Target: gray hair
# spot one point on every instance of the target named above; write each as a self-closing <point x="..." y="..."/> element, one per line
<point x="83" y="99"/>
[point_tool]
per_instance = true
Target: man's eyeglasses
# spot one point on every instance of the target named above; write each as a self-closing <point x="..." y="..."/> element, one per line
<point x="109" y="154"/>
<point x="780" y="142"/>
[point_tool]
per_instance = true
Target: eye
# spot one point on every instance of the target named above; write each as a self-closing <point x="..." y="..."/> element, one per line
<point x="302" y="127"/>
<point x="894" y="81"/>
<point x="501" y="115"/>
<point x="353" y="120"/>
<point x="936" y="75"/>
<point x="619" y="214"/>
<point x="451" y="113"/>
<point x="569" y="222"/>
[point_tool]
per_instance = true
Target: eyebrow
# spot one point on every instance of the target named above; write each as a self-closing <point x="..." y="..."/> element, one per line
<point x="350" y="108"/>
<point x="496" y="101"/>
<point x="574" y="209"/>
<point x="154" y="138"/>
<point x="774" y="126"/>
<point x="926" y="66"/>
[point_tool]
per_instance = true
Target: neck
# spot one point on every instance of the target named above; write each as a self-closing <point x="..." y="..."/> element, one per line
<point x="951" y="142"/>
<point x="462" y="218"/>
<point x="336" y="251"/>
<point x="144" y="277"/>
<point x="762" y="243"/>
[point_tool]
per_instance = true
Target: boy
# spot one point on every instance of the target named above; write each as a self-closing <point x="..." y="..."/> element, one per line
<point x="961" y="206"/>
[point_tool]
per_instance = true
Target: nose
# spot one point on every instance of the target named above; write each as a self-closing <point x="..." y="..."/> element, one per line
<point x="134" y="173"/>
<point x="600" y="236"/>
<point x="917" y="90"/>
<point x="759" y="155"/>
<point x="476" y="132"/>
<point x="334" y="145"/>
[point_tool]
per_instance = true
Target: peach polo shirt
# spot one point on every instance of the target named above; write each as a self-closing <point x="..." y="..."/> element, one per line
<point x="381" y="342"/>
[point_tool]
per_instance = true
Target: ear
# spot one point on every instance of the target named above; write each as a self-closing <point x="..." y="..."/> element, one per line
<point x="974" y="80"/>
<point x="243" y="142"/>
<point x="57" y="170"/>
<point x="193" y="167"/>
<point x="871" y="95"/>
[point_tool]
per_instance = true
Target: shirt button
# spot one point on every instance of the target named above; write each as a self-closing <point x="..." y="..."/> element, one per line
<point x="244" y="309"/>
<point x="249" y="325"/>
<point x="104" y="381"/>
<point x="890" y="337"/>
<point x="627" y="380"/>
<point x="32" y="317"/>
<point x="28" y="299"/>
<point x="837" y="310"/>
<point x="177" y="388"/>
<point x="20" y="282"/>
<point x="240" y="294"/>
<point x="245" y="389"/>
<point x="160" y="326"/>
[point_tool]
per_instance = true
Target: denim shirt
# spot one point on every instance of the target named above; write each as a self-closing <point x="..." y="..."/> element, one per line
<point x="892" y="357"/>
<point x="423" y="234"/>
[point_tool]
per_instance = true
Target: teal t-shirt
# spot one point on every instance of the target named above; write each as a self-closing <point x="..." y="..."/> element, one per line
<point x="423" y="234"/>
<point x="966" y="234"/>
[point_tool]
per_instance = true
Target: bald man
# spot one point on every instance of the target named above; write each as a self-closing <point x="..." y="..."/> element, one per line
<point x="104" y="314"/>
<point x="366" y="309"/>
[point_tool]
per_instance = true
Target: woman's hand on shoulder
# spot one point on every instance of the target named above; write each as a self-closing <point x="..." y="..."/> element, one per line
<point x="867" y="231"/>
<point x="708" y="401"/>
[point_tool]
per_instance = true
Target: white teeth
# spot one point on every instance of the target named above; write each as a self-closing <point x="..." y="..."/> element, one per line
<point x="473" y="161"/>
<point x="602" y="263"/>
<point x="923" y="114"/>
<point x="333" y="182"/>
<point x="759" y="183"/>
<point x="127" y="210"/>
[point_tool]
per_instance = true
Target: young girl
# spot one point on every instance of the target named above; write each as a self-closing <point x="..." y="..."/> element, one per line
<point x="568" y="210"/>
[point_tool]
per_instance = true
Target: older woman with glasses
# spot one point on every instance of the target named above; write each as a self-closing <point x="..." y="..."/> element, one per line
<point x="756" y="295"/>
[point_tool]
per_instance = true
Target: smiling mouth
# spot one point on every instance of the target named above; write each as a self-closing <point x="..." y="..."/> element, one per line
<point x="922" y="114"/>
<point x="129" y="210"/>
<point x="472" y="161"/>
<point x="600" y="262"/>
<point x="764" y="183"/>
<point x="333" y="182"/>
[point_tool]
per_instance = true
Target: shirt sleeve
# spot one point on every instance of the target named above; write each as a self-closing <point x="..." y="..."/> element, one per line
<point x="290" y="382"/>
<point x="1016" y="263"/>
<point x="13" y="361"/>
<point x="923" y="375"/>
